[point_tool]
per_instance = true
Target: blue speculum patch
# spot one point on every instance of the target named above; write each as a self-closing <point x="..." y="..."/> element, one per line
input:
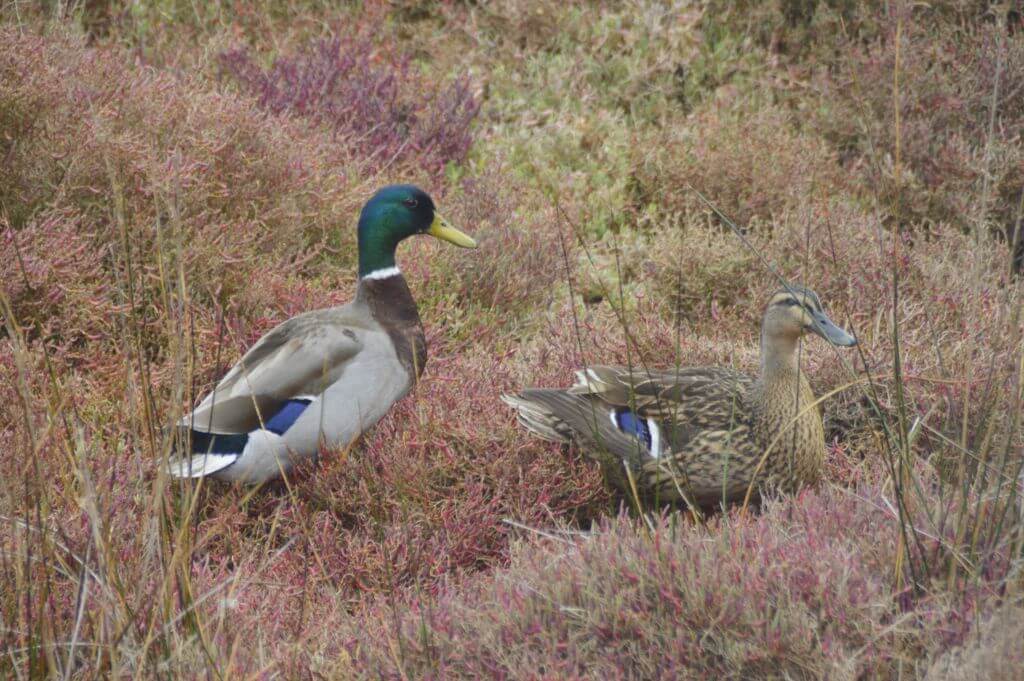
<point x="234" y="443"/>
<point x="287" y="415"/>
<point x="628" y="422"/>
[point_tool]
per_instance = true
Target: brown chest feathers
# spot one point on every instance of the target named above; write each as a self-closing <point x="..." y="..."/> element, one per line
<point x="788" y="427"/>
<point x="392" y="306"/>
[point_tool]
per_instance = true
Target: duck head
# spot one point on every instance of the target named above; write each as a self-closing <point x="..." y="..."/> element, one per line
<point x="794" y="311"/>
<point x="393" y="214"/>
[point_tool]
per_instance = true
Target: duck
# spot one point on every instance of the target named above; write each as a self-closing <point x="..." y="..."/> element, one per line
<point x="705" y="437"/>
<point x="326" y="376"/>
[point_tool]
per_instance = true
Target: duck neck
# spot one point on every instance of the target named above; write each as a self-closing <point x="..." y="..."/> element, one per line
<point x="785" y="386"/>
<point x="377" y="244"/>
<point x="778" y="357"/>
<point x="785" y="405"/>
<point x="387" y="296"/>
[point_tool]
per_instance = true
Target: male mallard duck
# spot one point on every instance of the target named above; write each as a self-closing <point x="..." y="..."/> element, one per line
<point x="698" y="435"/>
<point x="326" y="375"/>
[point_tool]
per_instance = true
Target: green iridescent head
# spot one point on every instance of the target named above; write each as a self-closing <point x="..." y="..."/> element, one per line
<point x="395" y="213"/>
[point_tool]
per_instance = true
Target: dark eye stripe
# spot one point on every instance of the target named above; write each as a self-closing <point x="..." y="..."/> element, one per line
<point x="790" y="302"/>
<point x="807" y="300"/>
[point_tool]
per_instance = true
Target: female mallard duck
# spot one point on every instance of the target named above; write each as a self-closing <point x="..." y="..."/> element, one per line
<point x="699" y="435"/>
<point x="326" y="375"/>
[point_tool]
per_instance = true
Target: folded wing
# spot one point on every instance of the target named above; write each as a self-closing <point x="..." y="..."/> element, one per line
<point x="293" y="363"/>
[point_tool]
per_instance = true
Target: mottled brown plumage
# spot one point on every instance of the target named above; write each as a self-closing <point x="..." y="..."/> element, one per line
<point x="708" y="434"/>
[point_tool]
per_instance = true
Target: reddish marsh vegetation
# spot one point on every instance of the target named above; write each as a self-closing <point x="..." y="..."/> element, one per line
<point x="156" y="217"/>
<point x="383" y="111"/>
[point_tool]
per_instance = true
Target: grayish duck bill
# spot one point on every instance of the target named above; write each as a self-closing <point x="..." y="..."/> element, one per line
<point x="826" y="328"/>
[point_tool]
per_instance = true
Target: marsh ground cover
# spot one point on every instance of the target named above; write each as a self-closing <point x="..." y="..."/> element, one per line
<point x="179" y="177"/>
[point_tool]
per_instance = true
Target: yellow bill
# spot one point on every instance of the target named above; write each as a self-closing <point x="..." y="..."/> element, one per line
<point x="440" y="229"/>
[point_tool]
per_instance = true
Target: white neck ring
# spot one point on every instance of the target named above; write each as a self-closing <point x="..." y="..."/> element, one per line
<point x="383" y="273"/>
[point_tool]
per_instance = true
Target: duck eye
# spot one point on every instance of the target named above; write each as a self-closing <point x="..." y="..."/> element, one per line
<point x="410" y="202"/>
